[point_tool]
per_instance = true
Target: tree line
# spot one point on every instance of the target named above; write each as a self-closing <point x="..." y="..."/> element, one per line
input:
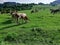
<point x="8" y="6"/>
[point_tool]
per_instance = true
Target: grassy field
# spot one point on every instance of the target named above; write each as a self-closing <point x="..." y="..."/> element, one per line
<point x="42" y="29"/>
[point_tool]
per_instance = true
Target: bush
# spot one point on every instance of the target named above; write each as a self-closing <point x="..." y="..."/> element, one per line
<point x="9" y="38"/>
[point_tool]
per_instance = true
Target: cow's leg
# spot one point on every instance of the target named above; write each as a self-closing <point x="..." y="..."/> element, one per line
<point x="26" y="19"/>
<point x="51" y="11"/>
<point x="22" y="19"/>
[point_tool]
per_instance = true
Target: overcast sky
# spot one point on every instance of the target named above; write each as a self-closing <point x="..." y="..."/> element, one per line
<point x="28" y="1"/>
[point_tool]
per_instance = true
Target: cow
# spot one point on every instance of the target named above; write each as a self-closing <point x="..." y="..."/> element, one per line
<point x="16" y="16"/>
<point x="54" y="10"/>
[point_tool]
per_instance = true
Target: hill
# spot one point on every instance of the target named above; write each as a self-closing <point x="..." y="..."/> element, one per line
<point x="43" y="29"/>
<point x="57" y="2"/>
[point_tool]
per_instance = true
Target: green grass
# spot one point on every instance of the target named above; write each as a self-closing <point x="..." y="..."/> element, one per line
<point x="48" y="32"/>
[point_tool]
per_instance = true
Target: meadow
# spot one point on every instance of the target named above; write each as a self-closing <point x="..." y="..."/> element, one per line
<point x="42" y="29"/>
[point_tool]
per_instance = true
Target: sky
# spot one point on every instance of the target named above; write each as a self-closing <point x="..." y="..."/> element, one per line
<point x="28" y="1"/>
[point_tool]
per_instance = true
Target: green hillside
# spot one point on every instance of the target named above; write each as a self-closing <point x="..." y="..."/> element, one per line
<point x="42" y="29"/>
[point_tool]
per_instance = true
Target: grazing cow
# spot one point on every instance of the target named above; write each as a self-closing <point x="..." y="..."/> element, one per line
<point x="35" y="10"/>
<point x="32" y="11"/>
<point x="54" y="10"/>
<point x="16" y="15"/>
<point x="2" y="12"/>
